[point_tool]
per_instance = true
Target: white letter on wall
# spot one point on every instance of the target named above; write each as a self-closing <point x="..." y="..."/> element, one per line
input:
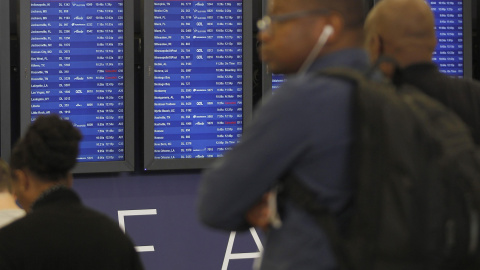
<point x="229" y="256"/>
<point x="145" y="212"/>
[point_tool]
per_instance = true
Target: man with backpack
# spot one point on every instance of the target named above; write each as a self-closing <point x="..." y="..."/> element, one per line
<point x="404" y="30"/>
<point x="416" y="168"/>
<point x="305" y="129"/>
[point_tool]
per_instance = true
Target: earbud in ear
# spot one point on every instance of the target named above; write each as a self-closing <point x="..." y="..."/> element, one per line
<point x="328" y="30"/>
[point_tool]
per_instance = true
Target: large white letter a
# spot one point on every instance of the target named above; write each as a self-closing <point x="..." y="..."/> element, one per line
<point x="236" y="256"/>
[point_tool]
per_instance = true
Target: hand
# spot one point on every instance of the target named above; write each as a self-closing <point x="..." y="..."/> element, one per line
<point x="259" y="214"/>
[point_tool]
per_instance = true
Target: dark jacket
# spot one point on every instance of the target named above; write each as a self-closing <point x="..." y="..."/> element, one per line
<point x="460" y="95"/>
<point x="61" y="233"/>
<point x="305" y="129"/>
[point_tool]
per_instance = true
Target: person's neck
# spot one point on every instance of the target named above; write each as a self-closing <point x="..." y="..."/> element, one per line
<point x="410" y="57"/>
<point x="43" y="186"/>
<point x="45" y="192"/>
<point x="7" y="201"/>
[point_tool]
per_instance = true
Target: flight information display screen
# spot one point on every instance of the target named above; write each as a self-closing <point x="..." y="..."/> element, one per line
<point x="198" y="78"/>
<point x="450" y="40"/>
<point x="77" y="70"/>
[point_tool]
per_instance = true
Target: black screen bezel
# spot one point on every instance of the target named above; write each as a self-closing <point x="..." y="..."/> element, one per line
<point x="5" y="112"/>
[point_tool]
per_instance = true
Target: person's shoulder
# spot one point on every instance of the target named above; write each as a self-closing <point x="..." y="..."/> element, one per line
<point x="467" y="81"/>
<point x="455" y="83"/>
<point x="310" y="80"/>
<point x="98" y="216"/>
<point x="429" y="71"/>
<point x="95" y="220"/>
<point x="17" y="229"/>
<point x="8" y="216"/>
<point x="314" y="85"/>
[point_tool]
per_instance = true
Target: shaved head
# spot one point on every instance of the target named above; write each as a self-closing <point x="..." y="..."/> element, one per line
<point x="352" y="10"/>
<point x="403" y="29"/>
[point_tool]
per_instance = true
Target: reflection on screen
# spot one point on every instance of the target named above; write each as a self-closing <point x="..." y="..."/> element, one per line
<point x="277" y="80"/>
<point x="77" y="70"/>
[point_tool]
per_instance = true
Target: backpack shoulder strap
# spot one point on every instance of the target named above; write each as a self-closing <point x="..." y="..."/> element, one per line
<point x="303" y="197"/>
<point x="344" y="73"/>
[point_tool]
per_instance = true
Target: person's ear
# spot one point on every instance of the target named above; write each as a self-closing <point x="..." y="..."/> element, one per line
<point x="23" y="181"/>
<point x="70" y="180"/>
<point x="374" y="46"/>
<point x="327" y="26"/>
<point x="335" y="23"/>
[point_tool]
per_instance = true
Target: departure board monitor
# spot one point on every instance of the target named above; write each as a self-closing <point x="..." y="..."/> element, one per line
<point x="453" y="24"/>
<point x="77" y="62"/>
<point x="198" y="80"/>
<point x="5" y="143"/>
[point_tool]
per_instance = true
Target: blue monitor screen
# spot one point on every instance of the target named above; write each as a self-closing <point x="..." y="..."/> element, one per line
<point x="77" y="72"/>
<point x="198" y="78"/>
<point x="449" y="28"/>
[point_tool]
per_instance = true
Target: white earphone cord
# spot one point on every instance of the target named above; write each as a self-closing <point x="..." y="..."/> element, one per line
<point x="322" y="40"/>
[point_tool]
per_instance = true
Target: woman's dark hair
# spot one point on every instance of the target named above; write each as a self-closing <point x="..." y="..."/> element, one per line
<point x="49" y="149"/>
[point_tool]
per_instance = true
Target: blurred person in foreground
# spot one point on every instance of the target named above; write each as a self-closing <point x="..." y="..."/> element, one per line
<point x="305" y="129"/>
<point x="9" y="210"/>
<point x="404" y="30"/>
<point x="58" y="232"/>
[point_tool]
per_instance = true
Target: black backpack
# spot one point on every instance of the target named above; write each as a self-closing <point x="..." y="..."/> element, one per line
<point x="417" y="177"/>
